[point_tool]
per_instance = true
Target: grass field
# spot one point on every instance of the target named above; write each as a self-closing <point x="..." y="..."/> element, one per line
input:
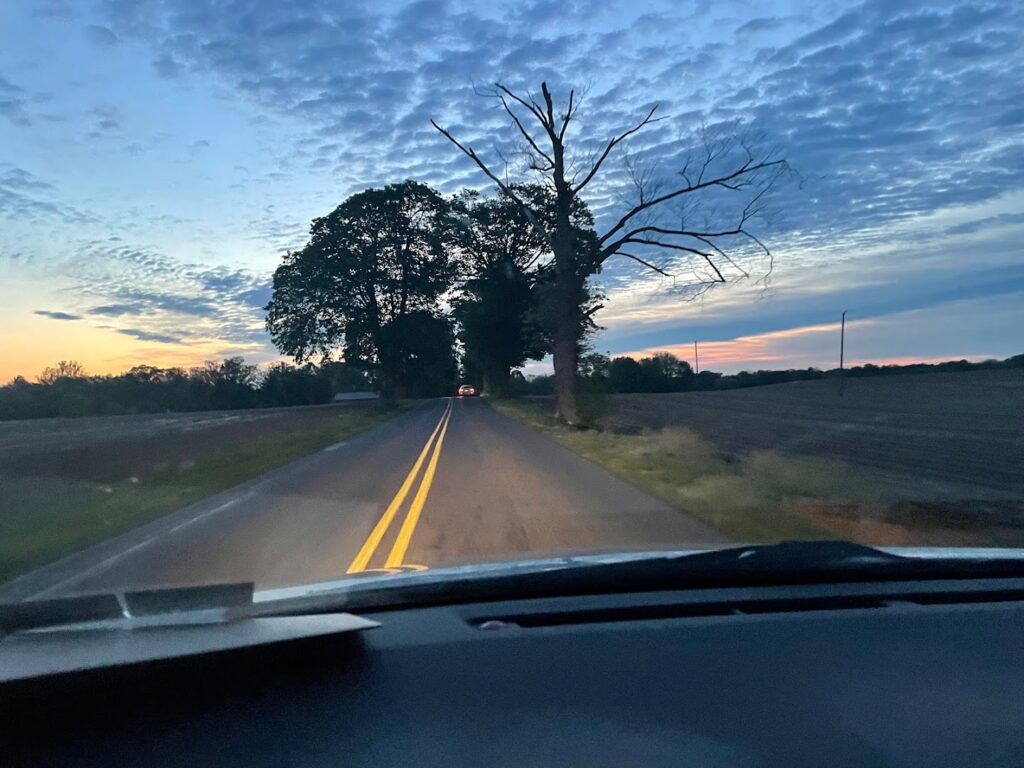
<point x="931" y="460"/>
<point x="67" y="483"/>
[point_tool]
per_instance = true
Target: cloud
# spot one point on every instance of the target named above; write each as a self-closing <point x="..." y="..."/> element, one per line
<point x="56" y="315"/>
<point x="758" y="25"/>
<point x="149" y="336"/>
<point x="166" y="66"/>
<point x="13" y="103"/>
<point x="25" y="198"/>
<point x="100" y="35"/>
<point x="115" y="310"/>
<point x="169" y="301"/>
<point x="890" y="112"/>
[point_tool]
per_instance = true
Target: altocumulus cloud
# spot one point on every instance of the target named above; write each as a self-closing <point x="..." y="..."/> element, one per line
<point x="56" y="315"/>
<point x="149" y="336"/>
<point x="891" y="111"/>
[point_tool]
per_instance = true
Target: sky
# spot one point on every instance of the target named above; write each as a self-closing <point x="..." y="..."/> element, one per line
<point x="158" y="158"/>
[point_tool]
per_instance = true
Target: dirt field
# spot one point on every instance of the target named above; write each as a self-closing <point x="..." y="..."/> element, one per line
<point x="946" y="435"/>
<point x="111" y="448"/>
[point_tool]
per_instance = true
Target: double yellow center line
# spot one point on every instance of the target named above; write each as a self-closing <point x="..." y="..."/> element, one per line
<point x="397" y="556"/>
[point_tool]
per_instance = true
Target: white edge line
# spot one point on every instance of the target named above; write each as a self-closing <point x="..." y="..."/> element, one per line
<point x="117" y="556"/>
<point x="201" y="515"/>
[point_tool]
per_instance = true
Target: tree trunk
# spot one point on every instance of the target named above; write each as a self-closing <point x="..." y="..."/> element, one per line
<point x="565" y="351"/>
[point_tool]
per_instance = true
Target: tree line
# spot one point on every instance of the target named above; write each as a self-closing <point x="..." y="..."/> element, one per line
<point x="67" y="390"/>
<point x="664" y="372"/>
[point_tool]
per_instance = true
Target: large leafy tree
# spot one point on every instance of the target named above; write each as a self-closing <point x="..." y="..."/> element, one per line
<point x="368" y="285"/>
<point x="495" y="306"/>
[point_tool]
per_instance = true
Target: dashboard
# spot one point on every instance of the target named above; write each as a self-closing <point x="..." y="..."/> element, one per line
<point x="876" y="674"/>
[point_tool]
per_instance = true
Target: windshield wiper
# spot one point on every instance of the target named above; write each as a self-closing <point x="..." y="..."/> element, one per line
<point x="794" y="562"/>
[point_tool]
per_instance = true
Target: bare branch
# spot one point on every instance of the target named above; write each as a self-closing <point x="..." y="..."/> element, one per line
<point x="611" y="145"/>
<point x="531" y="105"/>
<point x="526" y="135"/>
<point x="687" y="249"/>
<point x="506" y="188"/>
<point x="550" y="104"/>
<point x="647" y="264"/>
<point x="748" y="167"/>
<point x="569" y="113"/>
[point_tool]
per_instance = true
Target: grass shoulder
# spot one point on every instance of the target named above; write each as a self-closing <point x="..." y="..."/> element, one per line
<point x="47" y="517"/>
<point x="754" y="498"/>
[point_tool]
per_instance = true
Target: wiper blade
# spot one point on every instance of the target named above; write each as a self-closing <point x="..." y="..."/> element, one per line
<point x="790" y="555"/>
<point x="797" y="562"/>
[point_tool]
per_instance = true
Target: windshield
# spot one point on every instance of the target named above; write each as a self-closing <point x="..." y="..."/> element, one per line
<point x="294" y="293"/>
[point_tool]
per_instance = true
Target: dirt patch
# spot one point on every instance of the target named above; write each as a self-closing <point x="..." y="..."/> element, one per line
<point x="908" y="524"/>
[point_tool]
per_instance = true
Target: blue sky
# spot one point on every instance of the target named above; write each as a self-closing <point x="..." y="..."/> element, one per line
<point x="156" y="158"/>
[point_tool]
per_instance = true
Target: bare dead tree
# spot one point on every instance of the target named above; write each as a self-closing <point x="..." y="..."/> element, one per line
<point x="734" y="165"/>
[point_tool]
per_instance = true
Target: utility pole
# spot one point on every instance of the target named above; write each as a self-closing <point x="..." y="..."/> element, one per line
<point x="842" y="339"/>
<point x="842" y="350"/>
<point x="696" y="357"/>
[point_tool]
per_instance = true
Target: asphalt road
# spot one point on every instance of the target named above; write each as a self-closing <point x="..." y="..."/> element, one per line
<point x="448" y="483"/>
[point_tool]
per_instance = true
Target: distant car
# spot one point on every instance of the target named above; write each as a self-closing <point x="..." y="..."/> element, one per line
<point x="467" y="390"/>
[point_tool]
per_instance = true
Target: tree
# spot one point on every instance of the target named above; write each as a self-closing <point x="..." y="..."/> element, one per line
<point x="65" y="369"/>
<point x="230" y="383"/>
<point x="495" y="308"/>
<point x="664" y="372"/>
<point x="733" y="165"/>
<point x="594" y="365"/>
<point x="427" y="365"/>
<point x="284" y="384"/>
<point x="625" y="375"/>
<point x="378" y="260"/>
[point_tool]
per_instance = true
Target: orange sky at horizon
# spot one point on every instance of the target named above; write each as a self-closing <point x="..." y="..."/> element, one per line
<point x="754" y="349"/>
<point x="769" y="350"/>
<point x="103" y="351"/>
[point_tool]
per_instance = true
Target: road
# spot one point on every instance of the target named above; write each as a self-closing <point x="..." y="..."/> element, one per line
<point x="450" y="482"/>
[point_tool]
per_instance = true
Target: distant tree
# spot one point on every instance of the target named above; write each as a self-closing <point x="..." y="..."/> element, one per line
<point x="343" y="377"/>
<point x="146" y="374"/>
<point x="594" y="365"/>
<point x="65" y="369"/>
<point x="664" y="372"/>
<point x="625" y="375"/>
<point x="656" y="220"/>
<point x="230" y="383"/>
<point x="284" y="384"/>
<point x="542" y="385"/>
<point x="378" y="260"/>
